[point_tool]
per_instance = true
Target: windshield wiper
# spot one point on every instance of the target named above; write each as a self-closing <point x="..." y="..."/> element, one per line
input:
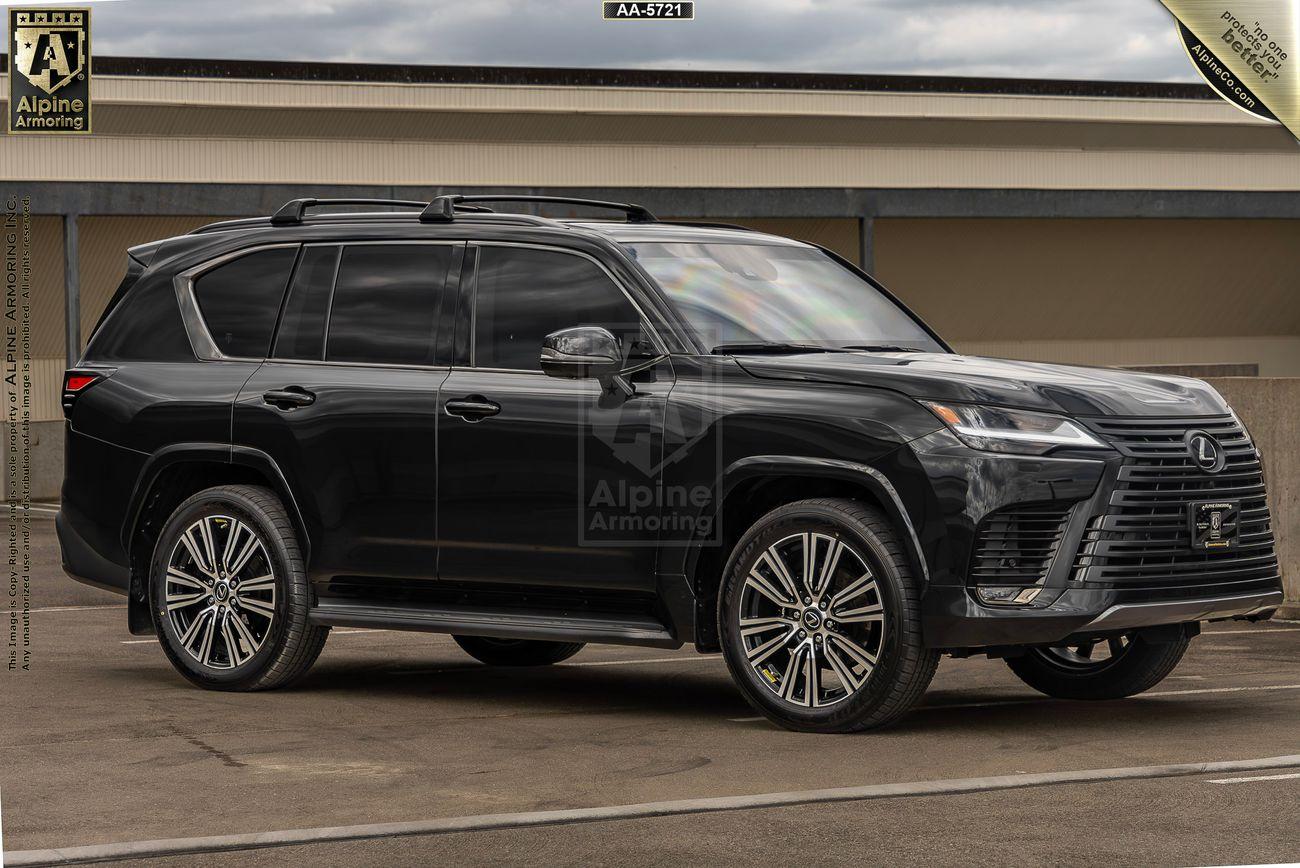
<point x="884" y="348"/>
<point x="771" y="347"/>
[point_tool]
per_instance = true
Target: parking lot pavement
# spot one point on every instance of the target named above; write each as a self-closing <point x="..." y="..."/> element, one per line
<point x="105" y="743"/>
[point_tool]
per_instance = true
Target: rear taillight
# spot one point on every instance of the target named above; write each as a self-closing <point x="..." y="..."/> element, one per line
<point x="78" y="381"/>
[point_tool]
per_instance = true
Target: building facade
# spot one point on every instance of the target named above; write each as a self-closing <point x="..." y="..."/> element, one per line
<point x="1095" y="223"/>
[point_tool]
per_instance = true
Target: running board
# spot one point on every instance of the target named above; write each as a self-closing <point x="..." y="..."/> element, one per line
<point x="618" y="629"/>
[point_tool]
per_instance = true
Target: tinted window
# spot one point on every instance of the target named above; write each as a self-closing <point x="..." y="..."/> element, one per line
<point x="145" y="326"/>
<point x="524" y="295"/>
<point x="302" y="325"/>
<point x="386" y="303"/>
<point x="241" y="299"/>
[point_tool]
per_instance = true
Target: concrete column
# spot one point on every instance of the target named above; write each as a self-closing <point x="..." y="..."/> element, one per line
<point x="867" y="258"/>
<point x="72" y="288"/>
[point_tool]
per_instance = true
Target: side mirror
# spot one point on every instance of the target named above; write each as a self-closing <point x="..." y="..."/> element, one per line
<point x="581" y="352"/>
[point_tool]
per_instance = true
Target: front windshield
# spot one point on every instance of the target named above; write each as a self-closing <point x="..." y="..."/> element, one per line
<point x="735" y="294"/>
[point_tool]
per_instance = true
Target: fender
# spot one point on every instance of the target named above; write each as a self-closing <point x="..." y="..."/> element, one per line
<point x="155" y="464"/>
<point x="829" y="468"/>
<point x="139" y="615"/>
<point x="222" y="453"/>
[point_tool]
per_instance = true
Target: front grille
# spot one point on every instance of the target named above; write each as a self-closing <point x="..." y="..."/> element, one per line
<point x="1015" y="546"/>
<point x="1143" y="539"/>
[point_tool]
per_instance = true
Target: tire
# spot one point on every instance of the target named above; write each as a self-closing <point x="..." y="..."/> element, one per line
<point x="242" y="630"/>
<point x="517" y="652"/>
<point x="1132" y="666"/>
<point x="871" y="603"/>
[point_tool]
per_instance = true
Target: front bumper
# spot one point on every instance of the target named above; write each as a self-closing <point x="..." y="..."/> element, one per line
<point x="953" y="620"/>
<point x="1114" y="566"/>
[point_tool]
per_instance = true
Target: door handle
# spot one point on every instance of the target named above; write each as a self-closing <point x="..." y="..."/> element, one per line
<point x="289" y="398"/>
<point x="472" y="408"/>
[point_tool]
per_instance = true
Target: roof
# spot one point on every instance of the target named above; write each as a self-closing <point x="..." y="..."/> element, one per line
<point x="281" y="70"/>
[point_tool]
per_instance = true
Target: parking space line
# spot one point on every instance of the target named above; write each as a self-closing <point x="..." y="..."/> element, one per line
<point x="1033" y="700"/>
<point x="1262" y="631"/>
<point x="530" y="819"/>
<point x="79" y="608"/>
<point x="1252" y="779"/>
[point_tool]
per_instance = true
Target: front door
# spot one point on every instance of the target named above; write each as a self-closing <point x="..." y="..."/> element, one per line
<point x="545" y="481"/>
<point x="347" y="406"/>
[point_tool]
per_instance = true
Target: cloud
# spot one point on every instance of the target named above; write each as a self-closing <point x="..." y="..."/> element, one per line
<point x="1091" y="39"/>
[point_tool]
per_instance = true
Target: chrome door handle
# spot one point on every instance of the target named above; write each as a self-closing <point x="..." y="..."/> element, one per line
<point x="472" y="408"/>
<point x="289" y="398"/>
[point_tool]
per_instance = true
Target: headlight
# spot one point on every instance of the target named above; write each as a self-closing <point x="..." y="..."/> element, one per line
<point x="1000" y="430"/>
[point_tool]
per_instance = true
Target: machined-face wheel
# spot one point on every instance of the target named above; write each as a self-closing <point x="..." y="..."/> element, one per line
<point x="812" y="619"/>
<point x="220" y="592"/>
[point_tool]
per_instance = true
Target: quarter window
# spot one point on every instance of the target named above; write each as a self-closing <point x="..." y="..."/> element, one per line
<point x="524" y="294"/>
<point x="386" y="303"/>
<point x="239" y="300"/>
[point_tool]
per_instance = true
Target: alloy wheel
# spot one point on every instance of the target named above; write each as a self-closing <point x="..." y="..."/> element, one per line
<point x="812" y="619"/>
<point x="1087" y="656"/>
<point x="220" y="592"/>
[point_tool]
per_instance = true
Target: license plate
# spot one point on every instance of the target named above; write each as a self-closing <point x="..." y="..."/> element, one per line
<point x="1214" y="525"/>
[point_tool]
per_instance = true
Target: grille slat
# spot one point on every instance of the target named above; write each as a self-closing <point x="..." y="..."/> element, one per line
<point x="1016" y="546"/>
<point x="1144" y="539"/>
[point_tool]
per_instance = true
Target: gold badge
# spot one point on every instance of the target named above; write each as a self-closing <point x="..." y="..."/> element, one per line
<point x="49" y="79"/>
<point x="1245" y="50"/>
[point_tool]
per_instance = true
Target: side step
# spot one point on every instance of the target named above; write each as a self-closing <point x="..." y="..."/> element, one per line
<point x="620" y="629"/>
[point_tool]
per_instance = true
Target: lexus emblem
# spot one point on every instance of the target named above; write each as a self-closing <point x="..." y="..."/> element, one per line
<point x="1206" y="452"/>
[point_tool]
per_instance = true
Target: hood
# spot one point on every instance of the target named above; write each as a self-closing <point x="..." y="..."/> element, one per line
<point x="1075" y="391"/>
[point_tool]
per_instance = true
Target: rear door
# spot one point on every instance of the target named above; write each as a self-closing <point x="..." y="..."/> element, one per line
<point x="347" y="405"/>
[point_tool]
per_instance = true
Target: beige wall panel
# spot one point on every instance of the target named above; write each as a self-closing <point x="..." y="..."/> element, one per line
<point x="844" y="236"/>
<point x="107" y="158"/>
<point x="1018" y="280"/>
<point x="104" y="242"/>
<point x="108" y="90"/>
<point x="352" y="124"/>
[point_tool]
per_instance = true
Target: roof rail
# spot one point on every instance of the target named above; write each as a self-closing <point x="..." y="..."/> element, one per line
<point x="705" y="224"/>
<point x="443" y="208"/>
<point x="292" y="212"/>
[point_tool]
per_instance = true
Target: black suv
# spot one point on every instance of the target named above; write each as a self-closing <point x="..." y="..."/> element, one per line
<point x="535" y="433"/>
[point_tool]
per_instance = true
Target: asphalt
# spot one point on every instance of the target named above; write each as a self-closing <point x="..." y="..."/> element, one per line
<point x="104" y="743"/>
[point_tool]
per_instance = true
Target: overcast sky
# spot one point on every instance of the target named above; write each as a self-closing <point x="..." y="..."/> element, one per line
<point x="1095" y="39"/>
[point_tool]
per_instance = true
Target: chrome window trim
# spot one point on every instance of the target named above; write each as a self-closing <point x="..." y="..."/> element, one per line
<point x="646" y="324"/>
<point x="196" y="328"/>
<point x="201" y="340"/>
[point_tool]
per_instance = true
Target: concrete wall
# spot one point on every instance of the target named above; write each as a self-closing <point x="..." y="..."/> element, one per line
<point x="1268" y="407"/>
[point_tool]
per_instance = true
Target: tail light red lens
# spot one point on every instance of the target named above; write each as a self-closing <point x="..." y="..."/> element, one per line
<point x="76" y="382"/>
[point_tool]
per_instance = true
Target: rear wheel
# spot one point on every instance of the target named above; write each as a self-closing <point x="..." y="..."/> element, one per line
<point x="820" y="619"/>
<point x="1099" y="669"/>
<point x="517" y="652"/>
<point x="228" y="592"/>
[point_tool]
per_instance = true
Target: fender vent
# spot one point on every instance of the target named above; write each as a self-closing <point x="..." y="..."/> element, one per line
<point x="1015" y="546"/>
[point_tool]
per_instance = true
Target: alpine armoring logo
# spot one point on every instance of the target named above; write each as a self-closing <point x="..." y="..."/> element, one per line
<point x="49" y="75"/>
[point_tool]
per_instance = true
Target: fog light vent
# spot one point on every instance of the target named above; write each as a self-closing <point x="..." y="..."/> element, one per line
<point x="1014" y="548"/>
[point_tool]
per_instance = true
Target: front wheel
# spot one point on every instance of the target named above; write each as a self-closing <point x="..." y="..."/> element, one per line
<point x="819" y="619"/>
<point x="1099" y="669"/>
